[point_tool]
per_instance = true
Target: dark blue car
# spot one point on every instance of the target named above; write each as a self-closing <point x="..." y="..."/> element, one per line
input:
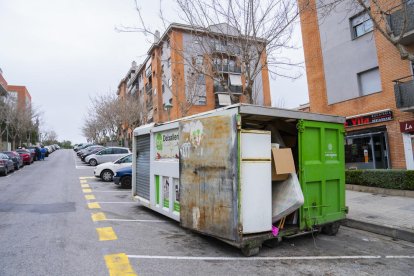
<point x="123" y="177"/>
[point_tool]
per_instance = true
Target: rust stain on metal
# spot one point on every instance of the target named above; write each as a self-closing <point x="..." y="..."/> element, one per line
<point x="206" y="175"/>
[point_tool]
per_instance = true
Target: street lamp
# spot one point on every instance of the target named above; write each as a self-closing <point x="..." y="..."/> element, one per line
<point x="168" y="106"/>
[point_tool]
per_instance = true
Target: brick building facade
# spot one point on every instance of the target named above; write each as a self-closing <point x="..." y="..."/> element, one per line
<point x="167" y="79"/>
<point x="351" y="70"/>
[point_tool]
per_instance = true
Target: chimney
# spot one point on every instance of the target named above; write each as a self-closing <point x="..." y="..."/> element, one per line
<point x="156" y="36"/>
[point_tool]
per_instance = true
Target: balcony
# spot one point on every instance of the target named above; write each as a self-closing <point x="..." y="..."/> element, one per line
<point x="227" y="68"/>
<point x="396" y="21"/>
<point x="404" y="93"/>
<point x="149" y="102"/>
<point x="217" y="88"/>
<point x="221" y="89"/>
<point x="148" y="72"/>
<point x="148" y="89"/>
<point x="235" y="89"/>
<point x="231" y="50"/>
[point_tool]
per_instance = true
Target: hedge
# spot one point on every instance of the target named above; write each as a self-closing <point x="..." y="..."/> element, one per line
<point x="389" y="179"/>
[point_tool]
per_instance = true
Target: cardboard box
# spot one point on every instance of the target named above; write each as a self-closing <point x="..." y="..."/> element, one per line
<point x="282" y="164"/>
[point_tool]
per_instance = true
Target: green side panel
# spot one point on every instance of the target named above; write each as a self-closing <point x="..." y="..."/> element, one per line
<point x="157" y="189"/>
<point x="166" y="203"/>
<point x="322" y="172"/>
<point x="177" y="206"/>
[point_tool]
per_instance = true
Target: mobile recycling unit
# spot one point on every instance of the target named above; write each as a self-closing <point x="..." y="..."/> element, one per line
<point x="244" y="174"/>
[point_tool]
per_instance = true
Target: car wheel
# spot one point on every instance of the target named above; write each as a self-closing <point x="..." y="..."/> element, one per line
<point x="126" y="182"/>
<point x="16" y="167"/>
<point x="107" y="175"/>
<point x="93" y="162"/>
<point x="5" y="172"/>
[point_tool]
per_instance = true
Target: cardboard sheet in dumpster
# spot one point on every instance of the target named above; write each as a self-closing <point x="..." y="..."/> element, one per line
<point x="208" y="176"/>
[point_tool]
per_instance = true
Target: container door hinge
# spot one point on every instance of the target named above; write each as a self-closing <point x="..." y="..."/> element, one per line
<point x="300" y="126"/>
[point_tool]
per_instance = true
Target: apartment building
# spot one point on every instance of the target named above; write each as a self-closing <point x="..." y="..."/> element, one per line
<point x="353" y="71"/>
<point x="3" y="85"/>
<point x="188" y="71"/>
<point x="20" y="95"/>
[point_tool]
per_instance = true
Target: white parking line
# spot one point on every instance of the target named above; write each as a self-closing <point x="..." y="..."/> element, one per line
<point x="137" y="220"/>
<point x="116" y="202"/>
<point x="399" y="257"/>
<point x="258" y="258"/>
<point x="110" y="191"/>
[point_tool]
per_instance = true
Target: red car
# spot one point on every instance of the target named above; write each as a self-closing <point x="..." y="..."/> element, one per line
<point x="26" y="155"/>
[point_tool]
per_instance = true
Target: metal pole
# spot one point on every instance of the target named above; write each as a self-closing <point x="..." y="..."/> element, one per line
<point x="7" y="135"/>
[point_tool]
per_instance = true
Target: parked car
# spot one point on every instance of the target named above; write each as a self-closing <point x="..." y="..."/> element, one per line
<point x="106" y="155"/>
<point x="35" y="150"/>
<point x="83" y="147"/>
<point x="6" y="164"/>
<point x="123" y="177"/>
<point x="107" y="170"/>
<point x="32" y="153"/>
<point x="83" y="157"/>
<point x="79" y="146"/>
<point x="17" y="160"/>
<point x="88" y="149"/>
<point x="26" y="155"/>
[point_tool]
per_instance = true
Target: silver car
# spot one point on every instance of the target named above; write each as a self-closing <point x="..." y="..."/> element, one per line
<point x="109" y="154"/>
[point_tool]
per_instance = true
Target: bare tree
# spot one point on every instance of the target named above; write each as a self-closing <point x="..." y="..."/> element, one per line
<point x="393" y="19"/>
<point x="130" y="108"/>
<point x="110" y="117"/>
<point x="19" y="121"/>
<point x="244" y="37"/>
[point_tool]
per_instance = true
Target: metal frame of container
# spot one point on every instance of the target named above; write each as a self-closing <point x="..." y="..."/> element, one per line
<point x="218" y="211"/>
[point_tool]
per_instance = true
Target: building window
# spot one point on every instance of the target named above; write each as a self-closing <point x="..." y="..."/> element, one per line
<point x="163" y="89"/>
<point x="361" y="24"/>
<point x="369" y="82"/>
<point x="169" y="62"/>
<point x="199" y="60"/>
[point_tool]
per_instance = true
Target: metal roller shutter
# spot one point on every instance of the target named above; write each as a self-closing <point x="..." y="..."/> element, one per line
<point x="143" y="166"/>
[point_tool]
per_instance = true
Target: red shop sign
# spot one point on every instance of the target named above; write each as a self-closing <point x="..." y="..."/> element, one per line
<point x="372" y="118"/>
<point x="407" y="126"/>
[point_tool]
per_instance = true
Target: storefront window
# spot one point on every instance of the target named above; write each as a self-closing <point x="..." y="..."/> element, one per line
<point x="367" y="151"/>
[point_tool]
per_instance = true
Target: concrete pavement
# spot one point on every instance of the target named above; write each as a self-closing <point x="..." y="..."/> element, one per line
<point x="382" y="214"/>
<point x="50" y="224"/>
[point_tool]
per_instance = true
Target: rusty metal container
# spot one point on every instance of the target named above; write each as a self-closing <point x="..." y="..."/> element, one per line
<point x="211" y="172"/>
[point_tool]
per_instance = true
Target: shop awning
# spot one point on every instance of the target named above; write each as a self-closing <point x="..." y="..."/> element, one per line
<point x="224" y="99"/>
<point x="235" y="80"/>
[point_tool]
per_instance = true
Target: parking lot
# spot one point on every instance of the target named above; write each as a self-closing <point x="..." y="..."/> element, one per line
<point x="61" y="220"/>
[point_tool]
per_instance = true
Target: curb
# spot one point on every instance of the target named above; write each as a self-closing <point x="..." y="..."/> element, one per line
<point x="376" y="190"/>
<point x="393" y="232"/>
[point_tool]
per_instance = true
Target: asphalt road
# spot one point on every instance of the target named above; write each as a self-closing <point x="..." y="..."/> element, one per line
<point x="51" y="223"/>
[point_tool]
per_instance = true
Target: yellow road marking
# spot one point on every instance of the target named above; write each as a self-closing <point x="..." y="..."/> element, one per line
<point x="87" y="191"/>
<point x="106" y="234"/>
<point x="82" y="181"/>
<point x="98" y="216"/>
<point x="85" y="186"/>
<point x="94" y="205"/>
<point x="90" y="197"/>
<point x="86" y="177"/>
<point x="118" y="264"/>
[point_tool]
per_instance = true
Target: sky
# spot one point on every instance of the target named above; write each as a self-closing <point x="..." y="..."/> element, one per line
<point x="67" y="51"/>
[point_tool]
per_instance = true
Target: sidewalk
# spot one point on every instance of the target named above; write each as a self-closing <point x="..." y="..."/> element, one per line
<point x="382" y="214"/>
